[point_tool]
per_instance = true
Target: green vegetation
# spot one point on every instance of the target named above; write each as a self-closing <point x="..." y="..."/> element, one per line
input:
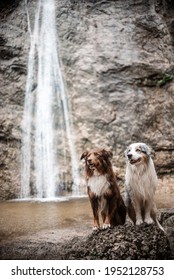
<point x="155" y="80"/>
<point x="166" y="78"/>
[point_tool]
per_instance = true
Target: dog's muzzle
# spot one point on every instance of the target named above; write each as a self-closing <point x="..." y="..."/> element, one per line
<point x="129" y="156"/>
<point x="90" y="165"/>
<point x="131" y="160"/>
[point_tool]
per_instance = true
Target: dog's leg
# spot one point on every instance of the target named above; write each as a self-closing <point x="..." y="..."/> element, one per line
<point x="94" y="205"/>
<point x="137" y="209"/>
<point x="130" y="208"/>
<point x="147" y="214"/>
<point x="105" y="213"/>
<point x="131" y="213"/>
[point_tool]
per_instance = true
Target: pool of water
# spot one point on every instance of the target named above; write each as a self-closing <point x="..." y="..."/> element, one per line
<point x="22" y="217"/>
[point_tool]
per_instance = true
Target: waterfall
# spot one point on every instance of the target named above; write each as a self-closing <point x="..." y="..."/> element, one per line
<point x="47" y="142"/>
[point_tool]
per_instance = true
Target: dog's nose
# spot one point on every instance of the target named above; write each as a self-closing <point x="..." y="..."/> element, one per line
<point x="129" y="156"/>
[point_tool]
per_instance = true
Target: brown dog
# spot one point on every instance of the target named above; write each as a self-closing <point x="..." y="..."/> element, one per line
<point x="102" y="189"/>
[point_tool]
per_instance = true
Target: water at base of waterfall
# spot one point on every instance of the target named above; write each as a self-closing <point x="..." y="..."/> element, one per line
<point x="47" y="143"/>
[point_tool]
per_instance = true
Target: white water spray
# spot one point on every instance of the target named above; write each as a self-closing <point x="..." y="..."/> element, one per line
<point x="47" y="144"/>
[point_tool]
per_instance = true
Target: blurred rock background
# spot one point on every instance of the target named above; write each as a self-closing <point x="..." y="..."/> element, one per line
<point x="118" y="63"/>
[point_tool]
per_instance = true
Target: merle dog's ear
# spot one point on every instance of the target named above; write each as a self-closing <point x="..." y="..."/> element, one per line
<point x="145" y="149"/>
<point x="84" y="155"/>
<point x="126" y="151"/>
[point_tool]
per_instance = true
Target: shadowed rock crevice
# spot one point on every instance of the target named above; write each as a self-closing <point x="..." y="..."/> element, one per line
<point x="9" y="4"/>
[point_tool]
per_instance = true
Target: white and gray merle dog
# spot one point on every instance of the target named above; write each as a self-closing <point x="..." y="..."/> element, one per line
<point x="140" y="184"/>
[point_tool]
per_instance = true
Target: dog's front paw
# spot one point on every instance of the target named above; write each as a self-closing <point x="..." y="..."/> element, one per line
<point x="148" y="220"/>
<point x="139" y="222"/>
<point x="105" y="226"/>
<point x="95" y="228"/>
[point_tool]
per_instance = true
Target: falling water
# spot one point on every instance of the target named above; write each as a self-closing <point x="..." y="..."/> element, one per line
<point x="48" y="145"/>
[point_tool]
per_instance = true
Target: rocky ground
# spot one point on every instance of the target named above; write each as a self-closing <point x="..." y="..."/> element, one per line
<point x="122" y="243"/>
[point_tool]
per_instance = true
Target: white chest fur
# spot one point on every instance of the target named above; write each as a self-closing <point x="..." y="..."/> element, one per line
<point x="141" y="180"/>
<point x="98" y="184"/>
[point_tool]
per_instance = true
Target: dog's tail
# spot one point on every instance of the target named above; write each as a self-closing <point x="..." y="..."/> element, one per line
<point x="154" y="217"/>
<point x="159" y="225"/>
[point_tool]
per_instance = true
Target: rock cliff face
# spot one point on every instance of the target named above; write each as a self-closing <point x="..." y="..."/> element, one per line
<point x="118" y="65"/>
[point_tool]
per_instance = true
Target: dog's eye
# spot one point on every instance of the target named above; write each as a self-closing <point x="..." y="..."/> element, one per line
<point x="98" y="155"/>
<point x="138" y="150"/>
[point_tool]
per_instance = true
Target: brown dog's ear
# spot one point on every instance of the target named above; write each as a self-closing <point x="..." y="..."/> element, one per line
<point x="108" y="153"/>
<point x="84" y="155"/>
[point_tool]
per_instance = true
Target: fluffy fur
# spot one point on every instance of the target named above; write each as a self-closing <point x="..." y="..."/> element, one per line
<point x="102" y="189"/>
<point x="140" y="184"/>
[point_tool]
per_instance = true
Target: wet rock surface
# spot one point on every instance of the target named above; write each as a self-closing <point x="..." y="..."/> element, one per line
<point x="123" y="243"/>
